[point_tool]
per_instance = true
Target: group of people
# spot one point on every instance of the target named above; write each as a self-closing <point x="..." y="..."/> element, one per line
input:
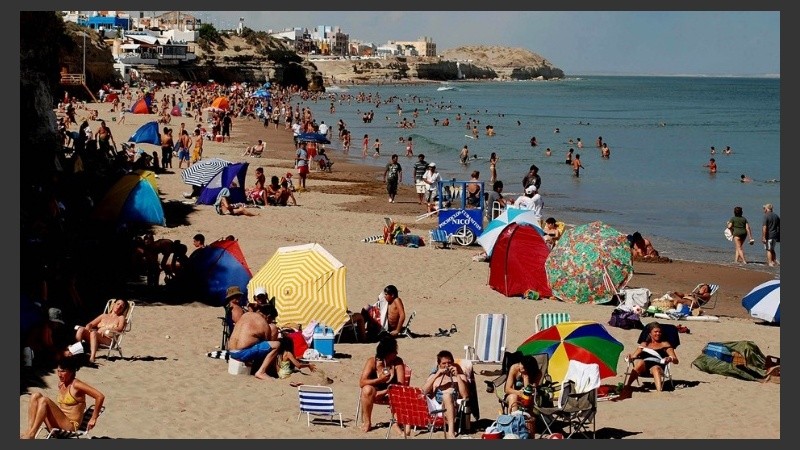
<point x="278" y="192"/>
<point x="740" y="231"/>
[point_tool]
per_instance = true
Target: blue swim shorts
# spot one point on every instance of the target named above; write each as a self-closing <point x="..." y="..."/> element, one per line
<point x="248" y="354"/>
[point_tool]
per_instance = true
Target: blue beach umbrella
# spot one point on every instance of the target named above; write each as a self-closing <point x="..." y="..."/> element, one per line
<point x="313" y="137"/>
<point x="764" y="301"/>
<point x="489" y="236"/>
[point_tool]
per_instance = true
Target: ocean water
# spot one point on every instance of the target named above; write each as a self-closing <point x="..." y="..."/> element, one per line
<point x="659" y="130"/>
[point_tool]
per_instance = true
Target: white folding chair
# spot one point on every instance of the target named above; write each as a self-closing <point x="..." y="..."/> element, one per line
<point x="317" y="401"/>
<point x="116" y="338"/>
<point x="489" y="341"/>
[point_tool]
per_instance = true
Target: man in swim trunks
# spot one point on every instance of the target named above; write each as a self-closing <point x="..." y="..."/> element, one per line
<point x="253" y="338"/>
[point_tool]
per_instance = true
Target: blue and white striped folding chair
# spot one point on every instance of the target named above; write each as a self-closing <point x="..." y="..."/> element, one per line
<point x="82" y="431"/>
<point x="317" y="401"/>
<point x="712" y="300"/>
<point x="489" y="342"/>
<point x="547" y="320"/>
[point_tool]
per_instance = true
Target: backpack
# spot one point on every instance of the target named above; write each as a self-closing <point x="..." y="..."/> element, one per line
<point x="512" y="424"/>
<point x="626" y="320"/>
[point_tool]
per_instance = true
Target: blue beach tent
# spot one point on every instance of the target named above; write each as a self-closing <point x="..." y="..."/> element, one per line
<point x="235" y="172"/>
<point x="147" y="134"/>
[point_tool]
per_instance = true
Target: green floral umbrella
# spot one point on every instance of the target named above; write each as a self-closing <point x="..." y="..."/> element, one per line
<point x="576" y="265"/>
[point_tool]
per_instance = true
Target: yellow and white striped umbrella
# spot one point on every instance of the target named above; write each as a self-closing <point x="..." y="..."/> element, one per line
<point x="308" y="283"/>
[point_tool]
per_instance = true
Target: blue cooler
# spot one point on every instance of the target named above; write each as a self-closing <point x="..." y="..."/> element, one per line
<point x="323" y="340"/>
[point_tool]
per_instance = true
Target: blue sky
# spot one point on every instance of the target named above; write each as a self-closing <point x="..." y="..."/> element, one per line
<point x="578" y="42"/>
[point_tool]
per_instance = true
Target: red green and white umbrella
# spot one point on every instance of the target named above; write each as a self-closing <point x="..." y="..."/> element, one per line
<point x="585" y="341"/>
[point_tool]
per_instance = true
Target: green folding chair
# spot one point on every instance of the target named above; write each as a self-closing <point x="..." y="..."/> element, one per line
<point x="547" y="320"/>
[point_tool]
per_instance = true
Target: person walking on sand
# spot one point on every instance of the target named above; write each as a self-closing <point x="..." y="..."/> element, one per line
<point x="770" y="234"/>
<point x="420" y="167"/>
<point x="576" y="165"/>
<point x="740" y="228"/>
<point x="301" y="162"/>
<point x="392" y="176"/>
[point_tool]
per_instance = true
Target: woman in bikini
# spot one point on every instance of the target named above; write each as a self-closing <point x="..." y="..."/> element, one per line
<point x="381" y="370"/>
<point x="651" y="356"/>
<point x="520" y="375"/>
<point x="101" y="329"/>
<point x="67" y="411"/>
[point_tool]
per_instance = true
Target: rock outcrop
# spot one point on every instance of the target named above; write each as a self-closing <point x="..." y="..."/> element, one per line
<point x="506" y="62"/>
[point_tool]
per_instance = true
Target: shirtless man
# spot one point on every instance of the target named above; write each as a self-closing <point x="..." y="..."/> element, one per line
<point x="152" y="249"/>
<point x="252" y="338"/>
<point x="254" y="150"/>
<point x="395" y="317"/>
<point x="641" y="247"/>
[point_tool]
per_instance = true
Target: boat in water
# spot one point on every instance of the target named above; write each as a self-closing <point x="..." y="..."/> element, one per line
<point x="446" y="87"/>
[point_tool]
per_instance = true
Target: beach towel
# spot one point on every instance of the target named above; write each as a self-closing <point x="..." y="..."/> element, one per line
<point x="585" y="376"/>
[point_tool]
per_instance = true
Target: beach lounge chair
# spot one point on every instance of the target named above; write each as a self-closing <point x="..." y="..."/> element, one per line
<point x="81" y="432"/>
<point x="410" y="409"/>
<point x="547" y="320"/>
<point x="712" y="301"/>
<point x="489" y="342"/>
<point x="317" y="401"/>
<point x="116" y="338"/>
<point x="670" y="334"/>
<point x="440" y="237"/>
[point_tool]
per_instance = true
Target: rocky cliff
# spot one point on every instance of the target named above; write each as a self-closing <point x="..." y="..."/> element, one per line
<point x="506" y="62"/>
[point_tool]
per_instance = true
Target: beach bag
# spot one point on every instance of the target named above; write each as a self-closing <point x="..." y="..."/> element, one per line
<point x="512" y="424"/>
<point x="626" y="320"/>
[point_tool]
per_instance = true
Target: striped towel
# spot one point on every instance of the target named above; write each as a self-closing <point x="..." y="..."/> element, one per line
<point x="218" y="354"/>
<point x="371" y="239"/>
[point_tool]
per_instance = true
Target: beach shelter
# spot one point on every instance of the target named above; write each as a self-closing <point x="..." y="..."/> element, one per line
<point x="217" y="266"/>
<point x="134" y="198"/>
<point x="517" y="263"/>
<point x="142" y="106"/>
<point x="764" y="301"/>
<point x="577" y="264"/>
<point x="585" y="341"/>
<point x="201" y="172"/>
<point x="147" y="134"/>
<point x="221" y="103"/>
<point x="111" y="97"/>
<point x="232" y="177"/>
<point x="308" y="284"/>
<point x="176" y="111"/>
<point x="493" y="229"/>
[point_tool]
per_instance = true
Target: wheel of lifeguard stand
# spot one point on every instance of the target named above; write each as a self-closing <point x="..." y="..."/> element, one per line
<point x="464" y="236"/>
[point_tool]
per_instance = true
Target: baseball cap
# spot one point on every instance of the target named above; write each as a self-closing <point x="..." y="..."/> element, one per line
<point x="260" y="291"/>
<point x="530" y="189"/>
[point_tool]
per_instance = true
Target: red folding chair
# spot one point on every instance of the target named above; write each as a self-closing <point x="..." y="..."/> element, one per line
<point x="410" y="409"/>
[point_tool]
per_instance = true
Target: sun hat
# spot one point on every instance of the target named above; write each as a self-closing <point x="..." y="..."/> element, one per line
<point x="433" y="164"/>
<point x="54" y="314"/>
<point x="260" y="291"/>
<point x="530" y="189"/>
<point x="233" y="291"/>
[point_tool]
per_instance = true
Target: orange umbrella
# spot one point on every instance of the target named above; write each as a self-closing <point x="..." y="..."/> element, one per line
<point x="221" y="103"/>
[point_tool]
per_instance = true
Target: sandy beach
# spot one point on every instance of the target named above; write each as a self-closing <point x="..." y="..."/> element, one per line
<point x="166" y="386"/>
